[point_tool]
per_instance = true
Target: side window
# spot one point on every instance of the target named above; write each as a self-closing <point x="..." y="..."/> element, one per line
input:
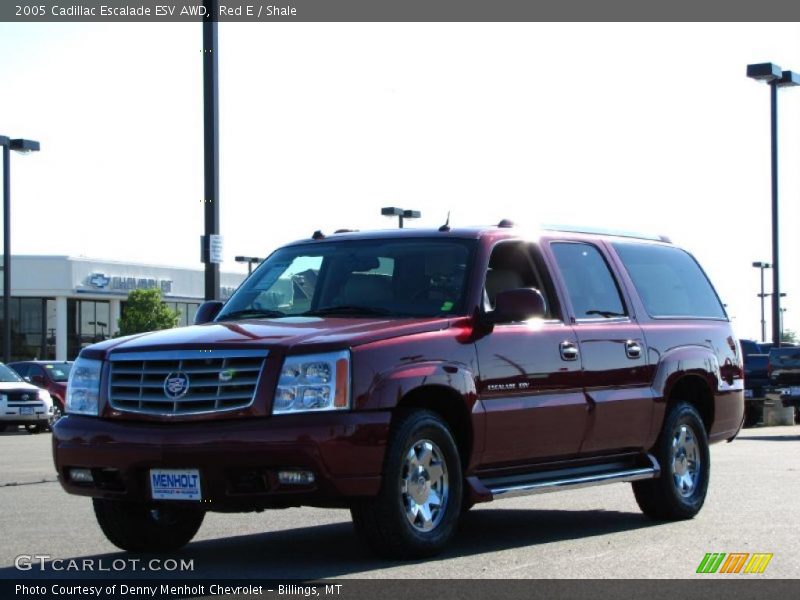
<point x="669" y="281"/>
<point x="512" y="265"/>
<point x="591" y="286"/>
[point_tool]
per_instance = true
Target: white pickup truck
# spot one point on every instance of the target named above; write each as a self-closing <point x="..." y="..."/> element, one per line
<point x="22" y="403"/>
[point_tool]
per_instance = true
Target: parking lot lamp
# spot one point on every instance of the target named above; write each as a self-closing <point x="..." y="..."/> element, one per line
<point x="772" y="74"/>
<point x="25" y="147"/>
<point x="400" y="213"/>
<point x="762" y="265"/>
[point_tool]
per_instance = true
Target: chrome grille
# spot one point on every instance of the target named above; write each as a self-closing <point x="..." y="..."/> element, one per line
<point x="200" y="381"/>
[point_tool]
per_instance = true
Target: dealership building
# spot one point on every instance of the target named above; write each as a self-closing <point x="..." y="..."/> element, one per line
<point x="60" y="304"/>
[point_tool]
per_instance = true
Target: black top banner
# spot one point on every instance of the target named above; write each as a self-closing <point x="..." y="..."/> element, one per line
<point x="398" y="10"/>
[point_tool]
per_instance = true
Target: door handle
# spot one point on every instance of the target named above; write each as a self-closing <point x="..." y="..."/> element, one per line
<point x="569" y="351"/>
<point x="633" y="349"/>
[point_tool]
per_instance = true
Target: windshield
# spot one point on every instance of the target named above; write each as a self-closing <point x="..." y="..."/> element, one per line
<point x="8" y="375"/>
<point x="404" y="278"/>
<point x="59" y="372"/>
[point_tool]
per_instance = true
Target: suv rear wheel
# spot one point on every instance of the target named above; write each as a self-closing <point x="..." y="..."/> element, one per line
<point x="682" y="452"/>
<point x="139" y="527"/>
<point x="417" y="508"/>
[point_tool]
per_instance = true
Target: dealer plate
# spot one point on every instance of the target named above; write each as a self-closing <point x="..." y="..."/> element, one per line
<point x="794" y="391"/>
<point x="175" y="484"/>
<point x="26" y="410"/>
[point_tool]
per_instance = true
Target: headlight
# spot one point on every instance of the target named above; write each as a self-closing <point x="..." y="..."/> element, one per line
<point x="83" y="387"/>
<point x="314" y="382"/>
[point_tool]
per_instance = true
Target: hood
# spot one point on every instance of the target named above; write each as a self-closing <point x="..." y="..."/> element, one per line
<point x="285" y="333"/>
<point x="17" y="385"/>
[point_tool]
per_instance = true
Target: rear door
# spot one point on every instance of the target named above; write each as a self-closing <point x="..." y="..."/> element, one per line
<point x="612" y="348"/>
<point x="530" y="372"/>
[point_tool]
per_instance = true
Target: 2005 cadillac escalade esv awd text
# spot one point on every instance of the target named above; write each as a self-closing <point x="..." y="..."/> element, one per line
<point x="407" y="375"/>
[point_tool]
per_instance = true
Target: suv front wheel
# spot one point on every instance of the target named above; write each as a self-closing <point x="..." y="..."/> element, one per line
<point x="417" y="508"/>
<point x="682" y="452"/>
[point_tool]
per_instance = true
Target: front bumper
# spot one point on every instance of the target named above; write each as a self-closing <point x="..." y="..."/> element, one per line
<point x="35" y="415"/>
<point x="785" y="396"/>
<point x="238" y="460"/>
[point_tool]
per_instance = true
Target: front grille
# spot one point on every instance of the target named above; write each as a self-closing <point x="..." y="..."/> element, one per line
<point x="184" y="382"/>
<point x="21" y="395"/>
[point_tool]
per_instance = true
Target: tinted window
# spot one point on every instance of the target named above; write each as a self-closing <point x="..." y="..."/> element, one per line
<point x="590" y="284"/>
<point x="669" y="281"/>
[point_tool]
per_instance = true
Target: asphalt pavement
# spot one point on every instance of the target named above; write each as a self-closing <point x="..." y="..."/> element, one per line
<point x="752" y="506"/>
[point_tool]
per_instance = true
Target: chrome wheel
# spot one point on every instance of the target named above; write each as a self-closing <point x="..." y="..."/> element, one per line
<point x="424" y="485"/>
<point x="686" y="463"/>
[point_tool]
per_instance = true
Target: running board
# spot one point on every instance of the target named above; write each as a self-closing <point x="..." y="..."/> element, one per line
<point x="567" y="482"/>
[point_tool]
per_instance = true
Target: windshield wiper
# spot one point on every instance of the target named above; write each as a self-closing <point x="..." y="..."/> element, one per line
<point x="606" y="313"/>
<point x="252" y="312"/>
<point x="350" y="309"/>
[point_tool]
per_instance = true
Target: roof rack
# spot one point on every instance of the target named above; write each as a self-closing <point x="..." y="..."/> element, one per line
<point x="345" y="231"/>
<point x="604" y="231"/>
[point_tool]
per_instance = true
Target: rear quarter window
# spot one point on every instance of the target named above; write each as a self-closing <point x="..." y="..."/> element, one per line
<point x="669" y="281"/>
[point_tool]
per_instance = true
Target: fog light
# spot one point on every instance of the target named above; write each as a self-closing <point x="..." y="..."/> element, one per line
<point x="296" y="477"/>
<point x="81" y="476"/>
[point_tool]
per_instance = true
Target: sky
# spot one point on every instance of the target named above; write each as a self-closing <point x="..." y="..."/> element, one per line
<point x="645" y="127"/>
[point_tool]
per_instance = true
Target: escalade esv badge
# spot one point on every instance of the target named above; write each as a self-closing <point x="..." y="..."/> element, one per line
<point x="176" y="385"/>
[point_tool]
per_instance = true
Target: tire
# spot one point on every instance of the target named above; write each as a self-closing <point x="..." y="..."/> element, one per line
<point x="422" y="465"/>
<point x="4" y="428"/>
<point x="35" y="428"/>
<point x="682" y="452"/>
<point x="139" y="527"/>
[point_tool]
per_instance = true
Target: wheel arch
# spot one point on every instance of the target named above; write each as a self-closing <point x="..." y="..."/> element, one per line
<point x="448" y="404"/>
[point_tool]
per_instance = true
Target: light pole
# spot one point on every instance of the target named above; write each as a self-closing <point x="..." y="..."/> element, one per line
<point x="400" y="213"/>
<point x="771" y="74"/>
<point x="762" y="265"/>
<point x="250" y="260"/>
<point x="783" y="311"/>
<point x="210" y="148"/>
<point x="24" y="146"/>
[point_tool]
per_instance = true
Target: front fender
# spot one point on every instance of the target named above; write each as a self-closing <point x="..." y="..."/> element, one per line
<point x="390" y="387"/>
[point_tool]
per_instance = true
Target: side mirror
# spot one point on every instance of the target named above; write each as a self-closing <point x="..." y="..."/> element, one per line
<point x="518" y="305"/>
<point x="26" y="379"/>
<point x="207" y="311"/>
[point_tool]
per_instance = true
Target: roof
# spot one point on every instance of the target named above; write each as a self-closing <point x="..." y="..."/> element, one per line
<point x="477" y="232"/>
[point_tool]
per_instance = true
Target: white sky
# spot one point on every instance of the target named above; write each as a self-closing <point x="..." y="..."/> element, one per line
<point x="650" y="127"/>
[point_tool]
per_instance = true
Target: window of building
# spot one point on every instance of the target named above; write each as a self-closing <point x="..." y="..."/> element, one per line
<point x="30" y="319"/>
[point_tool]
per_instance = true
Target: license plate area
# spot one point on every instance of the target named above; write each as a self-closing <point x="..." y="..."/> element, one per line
<point x="175" y="484"/>
<point x="26" y="410"/>
<point x="748" y="393"/>
<point x="794" y="391"/>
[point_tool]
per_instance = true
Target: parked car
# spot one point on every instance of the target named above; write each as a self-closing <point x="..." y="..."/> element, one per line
<point x="22" y="403"/>
<point x="784" y="376"/>
<point x="756" y="380"/>
<point x="47" y="374"/>
<point x="407" y="375"/>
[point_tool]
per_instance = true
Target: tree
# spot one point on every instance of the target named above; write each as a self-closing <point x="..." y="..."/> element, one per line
<point x="146" y="311"/>
<point x="789" y="336"/>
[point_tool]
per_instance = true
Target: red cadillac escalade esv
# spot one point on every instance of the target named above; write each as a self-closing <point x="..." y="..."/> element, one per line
<point x="407" y="375"/>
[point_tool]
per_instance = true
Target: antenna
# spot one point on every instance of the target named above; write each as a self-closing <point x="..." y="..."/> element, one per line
<point x="446" y="226"/>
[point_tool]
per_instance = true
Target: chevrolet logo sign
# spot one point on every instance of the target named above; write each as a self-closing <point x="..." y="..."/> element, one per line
<point x="99" y="280"/>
